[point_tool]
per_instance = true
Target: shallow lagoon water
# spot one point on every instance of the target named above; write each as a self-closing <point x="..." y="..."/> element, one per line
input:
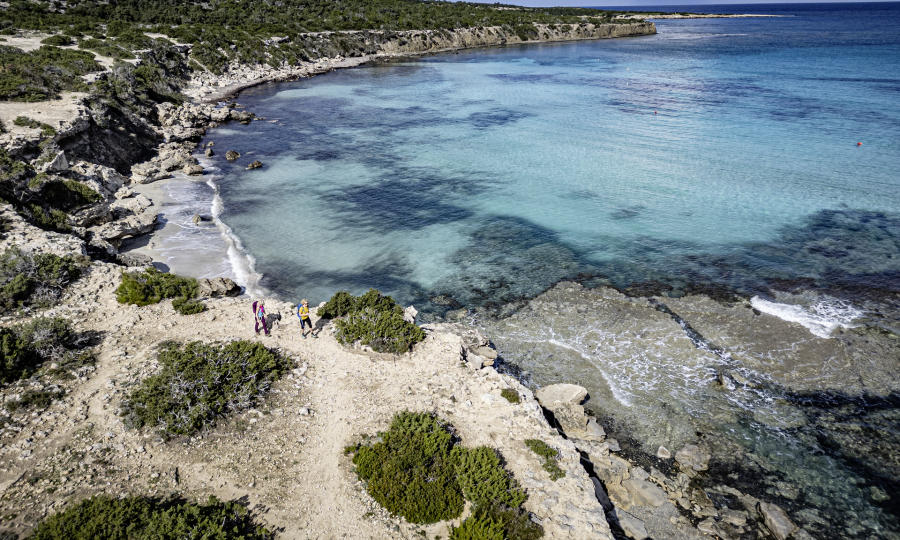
<point x="717" y="156"/>
<point x="710" y="152"/>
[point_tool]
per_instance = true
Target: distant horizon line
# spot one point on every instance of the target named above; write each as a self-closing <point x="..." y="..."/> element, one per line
<point x="636" y="4"/>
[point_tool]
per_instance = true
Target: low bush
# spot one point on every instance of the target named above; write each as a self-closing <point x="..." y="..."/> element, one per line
<point x="35" y="279"/>
<point x="478" y="528"/>
<point x="483" y="479"/>
<point x="417" y="471"/>
<point x="43" y="73"/>
<point x="66" y="195"/>
<point x="371" y="319"/>
<point x="35" y="399"/>
<point x="187" y="306"/>
<point x="142" y="518"/>
<point x="24" y="347"/>
<point x="57" y="41"/>
<point x="199" y="383"/>
<point x="24" y="121"/>
<point x="516" y="522"/>
<point x="411" y="471"/>
<point x="550" y="456"/>
<point x="151" y="286"/>
<point x="510" y="395"/>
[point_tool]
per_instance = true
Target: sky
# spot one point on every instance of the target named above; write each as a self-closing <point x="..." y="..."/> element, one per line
<point x="629" y="3"/>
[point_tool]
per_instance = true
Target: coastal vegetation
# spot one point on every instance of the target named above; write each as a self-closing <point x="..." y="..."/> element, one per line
<point x="417" y="470"/>
<point x="199" y="383"/>
<point x="371" y="319"/>
<point x="151" y="286"/>
<point x="43" y="73"/>
<point x="145" y="518"/>
<point x="549" y="455"/>
<point x="35" y="279"/>
<point x="24" y="347"/>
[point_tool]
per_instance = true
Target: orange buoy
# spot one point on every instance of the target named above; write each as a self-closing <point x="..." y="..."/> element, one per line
<point x="859" y="144"/>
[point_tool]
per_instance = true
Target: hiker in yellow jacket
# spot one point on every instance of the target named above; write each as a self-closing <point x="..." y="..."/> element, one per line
<point x="305" y="321"/>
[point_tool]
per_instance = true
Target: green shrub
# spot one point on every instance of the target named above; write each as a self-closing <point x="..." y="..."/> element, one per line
<point x="186" y="306"/>
<point x="510" y="395"/>
<point x="550" y="456"/>
<point x="35" y="279"/>
<point x="67" y="194"/>
<point x="416" y="471"/>
<point x="517" y="524"/>
<point x="35" y="399"/>
<point x="49" y="220"/>
<point x="477" y="528"/>
<point x="411" y="472"/>
<point x="24" y="121"/>
<point x="372" y="319"/>
<point x="43" y="73"/>
<point x="151" y="286"/>
<point x="200" y="382"/>
<point x="57" y="41"/>
<point x="483" y="479"/>
<point x="24" y="347"/>
<point x="140" y="518"/>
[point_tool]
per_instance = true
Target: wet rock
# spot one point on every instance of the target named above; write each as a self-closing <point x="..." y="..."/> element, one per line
<point x="700" y="497"/>
<point x="134" y="259"/>
<point x="209" y="152"/>
<point x="210" y="144"/>
<point x="734" y="517"/>
<point x="878" y="495"/>
<point x="663" y="453"/>
<point x="255" y="165"/>
<point x="218" y="287"/>
<point x="630" y="525"/>
<point x="692" y="457"/>
<point x="644" y="493"/>
<point x="193" y="169"/>
<point x="231" y="155"/>
<point x="196" y="219"/>
<point x="776" y="520"/>
<point x="708" y="526"/>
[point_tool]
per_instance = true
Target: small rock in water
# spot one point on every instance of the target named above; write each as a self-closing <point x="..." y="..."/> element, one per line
<point x="196" y="219"/>
<point x="777" y="521"/>
<point x="231" y="155"/>
<point x="255" y="165"/>
<point x="878" y="495"/>
<point x="193" y="170"/>
<point x="663" y="453"/>
<point x="209" y="152"/>
<point x="210" y="144"/>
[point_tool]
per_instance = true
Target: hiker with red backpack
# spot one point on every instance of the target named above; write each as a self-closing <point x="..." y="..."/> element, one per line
<point x="259" y="314"/>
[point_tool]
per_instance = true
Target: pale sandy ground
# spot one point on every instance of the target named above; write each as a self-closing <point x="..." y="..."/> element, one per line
<point x="53" y="112"/>
<point x="285" y="458"/>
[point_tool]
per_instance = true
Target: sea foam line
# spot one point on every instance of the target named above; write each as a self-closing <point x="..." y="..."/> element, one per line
<point x="242" y="262"/>
<point x="822" y="319"/>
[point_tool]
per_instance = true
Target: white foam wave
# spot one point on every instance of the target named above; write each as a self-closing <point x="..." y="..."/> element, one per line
<point x="242" y="263"/>
<point x="821" y="319"/>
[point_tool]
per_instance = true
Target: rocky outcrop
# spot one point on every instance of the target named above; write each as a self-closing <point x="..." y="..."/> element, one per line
<point x="218" y="287"/>
<point x="777" y="520"/>
<point x="255" y="165"/>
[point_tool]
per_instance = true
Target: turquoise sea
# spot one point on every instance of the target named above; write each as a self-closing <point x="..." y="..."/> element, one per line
<point x="720" y="150"/>
<point x="719" y="157"/>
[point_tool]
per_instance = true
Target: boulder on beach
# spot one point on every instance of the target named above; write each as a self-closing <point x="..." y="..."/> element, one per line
<point x="218" y="287"/>
<point x="255" y="165"/>
<point x="193" y="170"/>
<point x="231" y="155"/>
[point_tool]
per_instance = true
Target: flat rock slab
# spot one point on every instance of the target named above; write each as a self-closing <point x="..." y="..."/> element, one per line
<point x="561" y="393"/>
<point x="777" y="520"/>
<point x="645" y="493"/>
<point x="631" y="526"/>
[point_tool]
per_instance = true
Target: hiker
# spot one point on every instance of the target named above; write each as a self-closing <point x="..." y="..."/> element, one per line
<point x="259" y="314"/>
<point x="305" y="321"/>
